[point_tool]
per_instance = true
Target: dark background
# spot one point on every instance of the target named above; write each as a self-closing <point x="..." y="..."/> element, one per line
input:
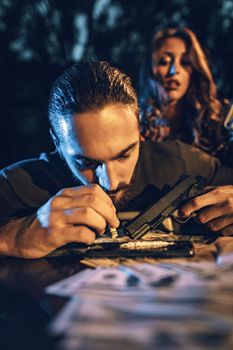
<point x="39" y="38"/>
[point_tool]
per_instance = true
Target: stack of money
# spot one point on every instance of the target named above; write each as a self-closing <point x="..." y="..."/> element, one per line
<point x="147" y="306"/>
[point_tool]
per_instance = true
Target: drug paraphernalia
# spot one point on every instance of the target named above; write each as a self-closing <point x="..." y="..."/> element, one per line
<point x="113" y="232"/>
<point x="125" y="247"/>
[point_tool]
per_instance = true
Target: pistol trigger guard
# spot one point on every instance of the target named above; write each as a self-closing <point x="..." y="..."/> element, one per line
<point x="175" y="216"/>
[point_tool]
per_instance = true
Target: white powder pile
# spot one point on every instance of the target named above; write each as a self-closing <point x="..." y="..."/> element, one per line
<point x="145" y="245"/>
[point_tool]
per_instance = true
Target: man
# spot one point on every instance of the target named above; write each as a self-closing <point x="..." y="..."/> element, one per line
<point x="72" y="195"/>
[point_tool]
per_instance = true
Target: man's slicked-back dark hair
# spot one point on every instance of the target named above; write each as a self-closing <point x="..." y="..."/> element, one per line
<point x="87" y="86"/>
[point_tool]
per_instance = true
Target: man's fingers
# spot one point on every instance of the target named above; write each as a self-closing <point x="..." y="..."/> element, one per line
<point x="75" y="217"/>
<point x="79" y="234"/>
<point x="108" y="212"/>
<point x="227" y="231"/>
<point x="90" y="202"/>
<point x="213" y="212"/>
<point x="92" y="189"/>
<point x="221" y="246"/>
<point x="65" y="202"/>
<point x="101" y="207"/>
<point x="210" y="198"/>
<point x="85" y="216"/>
<point x="219" y="224"/>
<point x="208" y="252"/>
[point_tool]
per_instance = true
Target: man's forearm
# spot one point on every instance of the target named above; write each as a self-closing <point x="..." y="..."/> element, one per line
<point x="15" y="236"/>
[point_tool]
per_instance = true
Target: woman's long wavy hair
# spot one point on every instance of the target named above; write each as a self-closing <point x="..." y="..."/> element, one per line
<point x="201" y="98"/>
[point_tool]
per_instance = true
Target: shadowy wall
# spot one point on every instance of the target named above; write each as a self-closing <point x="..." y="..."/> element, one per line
<point x="39" y="38"/>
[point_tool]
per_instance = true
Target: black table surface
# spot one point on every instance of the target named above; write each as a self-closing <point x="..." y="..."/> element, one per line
<point x="25" y="308"/>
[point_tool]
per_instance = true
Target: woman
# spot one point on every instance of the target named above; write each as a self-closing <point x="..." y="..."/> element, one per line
<point x="178" y="95"/>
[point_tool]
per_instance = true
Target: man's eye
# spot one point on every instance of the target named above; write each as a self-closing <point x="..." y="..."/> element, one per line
<point x="124" y="157"/>
<point x="85" y="164"/>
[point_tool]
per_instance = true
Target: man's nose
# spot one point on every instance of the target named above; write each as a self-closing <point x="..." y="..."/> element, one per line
<point x="107" y="176"/>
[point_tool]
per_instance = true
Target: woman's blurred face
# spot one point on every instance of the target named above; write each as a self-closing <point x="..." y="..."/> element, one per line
<point x="172" y="67"/>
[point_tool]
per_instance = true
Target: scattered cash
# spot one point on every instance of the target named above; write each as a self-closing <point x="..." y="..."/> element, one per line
<point x="163" y="305"/>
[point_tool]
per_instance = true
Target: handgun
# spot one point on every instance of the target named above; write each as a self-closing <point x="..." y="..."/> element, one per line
<point x="185" y="188"/>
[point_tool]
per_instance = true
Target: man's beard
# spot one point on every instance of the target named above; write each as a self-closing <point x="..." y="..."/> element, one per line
<point x="126" y="194"/>
<point x="121" y="202"/>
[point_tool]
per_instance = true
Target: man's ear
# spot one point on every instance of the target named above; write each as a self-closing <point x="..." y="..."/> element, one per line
<point x="55" y="139"/>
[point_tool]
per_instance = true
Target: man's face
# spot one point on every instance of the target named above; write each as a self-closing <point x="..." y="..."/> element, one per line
<point x="102" y="146"/>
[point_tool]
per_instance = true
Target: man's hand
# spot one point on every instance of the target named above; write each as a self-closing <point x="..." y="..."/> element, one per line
<point x="220" y="248"/>
<point x="72" y="215"/>
<point x="214" y="209"/>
